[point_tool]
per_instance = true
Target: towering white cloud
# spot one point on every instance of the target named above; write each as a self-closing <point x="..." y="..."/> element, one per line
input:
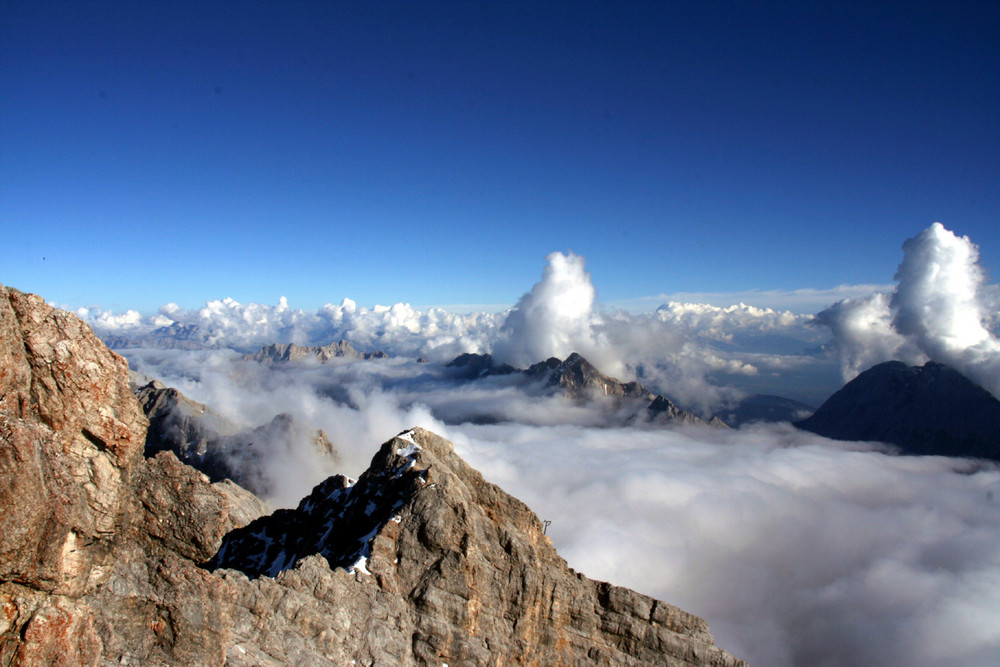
<point x="940" y="310"/>
<point x="554" y="319"/>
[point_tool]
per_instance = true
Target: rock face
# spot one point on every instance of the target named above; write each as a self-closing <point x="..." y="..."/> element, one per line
<point x="99" y="546"/>
<point x="290" y="352"/>
<point x="929" y="409"/>
<point x="215" y="446"/>
<point x="420" y="562"/>
<point x="472" y="366"/>
<point x="578" y="379"/>
<point x="434" y="565"/>
<point x="73" y="434"/>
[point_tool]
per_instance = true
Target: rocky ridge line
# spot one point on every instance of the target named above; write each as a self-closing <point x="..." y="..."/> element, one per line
<point x="217" y="447"/>
<point x="579" y="380"/>
<point x="280" y="353"/>
<point x="462" y="572"/>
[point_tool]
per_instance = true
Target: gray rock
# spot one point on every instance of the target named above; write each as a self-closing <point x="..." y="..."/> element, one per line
<point x="290" y="352"/>
<point x="217" y="447"/>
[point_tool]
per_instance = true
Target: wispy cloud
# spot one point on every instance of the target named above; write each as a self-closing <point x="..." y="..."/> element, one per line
<point x="799" y="301"/>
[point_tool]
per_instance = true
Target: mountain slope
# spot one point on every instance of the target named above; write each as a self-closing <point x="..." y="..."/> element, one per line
<point x="463" y="570"/>
<point x="929" y="409"/>
<point x="207" y="441"/>
<point x="579" y="380"/>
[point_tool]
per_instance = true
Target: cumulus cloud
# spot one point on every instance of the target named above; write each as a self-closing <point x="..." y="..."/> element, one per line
<point x="801" y="301"/>
<point x="554" y="319"/>
<point x="941" y="309"/>
<point x="701" y="356"/>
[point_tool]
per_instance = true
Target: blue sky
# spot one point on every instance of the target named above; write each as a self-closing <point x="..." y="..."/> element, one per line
<point x="435" y="153"/>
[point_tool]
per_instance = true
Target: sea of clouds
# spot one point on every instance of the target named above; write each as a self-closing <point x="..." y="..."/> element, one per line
<point x="797" y="549"/>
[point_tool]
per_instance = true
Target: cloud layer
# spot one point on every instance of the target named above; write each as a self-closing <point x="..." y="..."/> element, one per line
<point x="796" y="549"/>
<point x="703" y="356"/>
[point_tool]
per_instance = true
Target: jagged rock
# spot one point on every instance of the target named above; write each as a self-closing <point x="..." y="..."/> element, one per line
<point x="662" y="410"/>
<point x="929" y="409"/>
<point x="72" y="433"/>
<point x="431" y="564"/>
<point x="290" y="352"/>
<point x="473" y="366"/>
<point x="217" y="447"/>
<point x="578" y="379"/>
<point x="97" y="545"/>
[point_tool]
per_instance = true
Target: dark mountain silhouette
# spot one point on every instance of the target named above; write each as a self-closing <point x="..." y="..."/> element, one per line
<point x="929" y="409"/>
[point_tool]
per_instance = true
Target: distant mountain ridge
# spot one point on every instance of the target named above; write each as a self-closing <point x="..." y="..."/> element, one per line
<point x="929" y="409"/>
<point x="579" y="380"/>
<point x="277" y="353"/>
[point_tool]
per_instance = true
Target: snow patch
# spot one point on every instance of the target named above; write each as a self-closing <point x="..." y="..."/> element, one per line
<point x="360" y="566"/>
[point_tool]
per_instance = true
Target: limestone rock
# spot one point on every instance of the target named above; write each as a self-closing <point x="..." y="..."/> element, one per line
<point x="579" y="379"/>
<point x="98" y="547"/>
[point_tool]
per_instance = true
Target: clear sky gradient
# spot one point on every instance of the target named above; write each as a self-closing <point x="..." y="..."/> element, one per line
<point x="435" y="153"/>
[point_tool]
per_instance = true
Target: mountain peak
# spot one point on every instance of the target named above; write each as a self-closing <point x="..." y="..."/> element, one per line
<point x="929" y="409"/>
<point x="474" y="576"/>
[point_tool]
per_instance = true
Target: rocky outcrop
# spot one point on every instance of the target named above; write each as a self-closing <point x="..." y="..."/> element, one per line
<point x="217" y="447"/>
<point x="929" y="409"/>
<point x="578" y="379"/>
<point x="472" y="366"/>
<point x="290" y="352"/>
<point x="421" y="561"/>
<point x="73" y="434"/>
<point x="99" y="546"/>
